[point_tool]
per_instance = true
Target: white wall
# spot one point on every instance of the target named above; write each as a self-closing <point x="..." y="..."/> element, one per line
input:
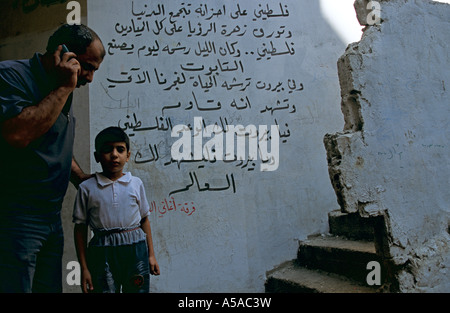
<point x="253" y="222"/>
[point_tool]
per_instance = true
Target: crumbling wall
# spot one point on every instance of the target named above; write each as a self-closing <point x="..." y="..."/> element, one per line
<point x="392" y="157"/>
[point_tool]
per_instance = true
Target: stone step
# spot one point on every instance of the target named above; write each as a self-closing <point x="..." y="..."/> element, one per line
<point x="338" y="255"/>
<point x="291" y="277"/>
<point x="351" y="225"/>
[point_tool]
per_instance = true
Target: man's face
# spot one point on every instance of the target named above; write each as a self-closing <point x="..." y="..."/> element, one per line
<point x="90" y="62"/>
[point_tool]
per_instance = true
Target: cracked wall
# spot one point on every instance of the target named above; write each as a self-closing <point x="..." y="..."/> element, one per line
<point x="392" y="157"/>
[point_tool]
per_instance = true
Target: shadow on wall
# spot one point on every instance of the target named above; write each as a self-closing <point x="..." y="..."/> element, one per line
<point x="26" y="25"/>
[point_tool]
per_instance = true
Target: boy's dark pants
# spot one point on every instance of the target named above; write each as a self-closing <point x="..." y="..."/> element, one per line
<point x="122" y="268"/>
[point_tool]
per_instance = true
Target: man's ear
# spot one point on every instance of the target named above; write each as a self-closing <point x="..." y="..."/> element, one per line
<point x="97" y="157"/>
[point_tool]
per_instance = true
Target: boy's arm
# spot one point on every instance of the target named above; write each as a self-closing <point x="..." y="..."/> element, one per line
<point x="154" y="267"/>
<point x="80" y="235"/>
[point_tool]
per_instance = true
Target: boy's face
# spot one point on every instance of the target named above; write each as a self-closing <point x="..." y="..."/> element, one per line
<point x="113" y="156"/>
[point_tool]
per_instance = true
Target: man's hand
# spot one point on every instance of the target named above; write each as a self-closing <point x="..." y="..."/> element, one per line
<point x="67" y="69"/>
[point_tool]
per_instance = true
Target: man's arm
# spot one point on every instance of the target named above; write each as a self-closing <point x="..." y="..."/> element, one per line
<point x="34" y="121"/>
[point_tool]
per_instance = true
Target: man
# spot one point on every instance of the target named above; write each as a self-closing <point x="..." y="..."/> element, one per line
<point x="36" y="158"/>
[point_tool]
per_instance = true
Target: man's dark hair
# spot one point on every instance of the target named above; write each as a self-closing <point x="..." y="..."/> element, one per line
<point x="76" y="38"/>
<point x="111" y="134"/>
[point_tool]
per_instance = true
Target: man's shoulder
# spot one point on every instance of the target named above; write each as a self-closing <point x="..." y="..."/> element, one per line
<point x="15" y="71"/>
<point x="14" y="65"/>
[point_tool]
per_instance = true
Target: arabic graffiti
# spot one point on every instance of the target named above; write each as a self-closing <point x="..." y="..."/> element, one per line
<point x="206" y="186"/>
<point x="223" y="64"/>
<point x="171" y="205"/>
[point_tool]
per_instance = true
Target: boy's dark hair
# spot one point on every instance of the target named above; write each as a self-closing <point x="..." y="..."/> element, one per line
<point x="111" y="134"/>
<point x="76" y="38"/>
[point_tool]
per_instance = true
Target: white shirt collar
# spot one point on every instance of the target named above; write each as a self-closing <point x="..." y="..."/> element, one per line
<point x="105" y="181"/>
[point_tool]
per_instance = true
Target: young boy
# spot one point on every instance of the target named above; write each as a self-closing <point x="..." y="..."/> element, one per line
<point x="113" y="204"/>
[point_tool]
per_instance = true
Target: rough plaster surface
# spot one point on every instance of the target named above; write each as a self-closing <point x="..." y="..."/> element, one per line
<point x="392" y="157"/>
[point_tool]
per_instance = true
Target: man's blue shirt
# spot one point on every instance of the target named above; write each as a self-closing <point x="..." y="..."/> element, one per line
<point x="34" y="179"/>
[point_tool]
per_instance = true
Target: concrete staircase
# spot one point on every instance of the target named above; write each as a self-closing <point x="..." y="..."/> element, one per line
<point x="336" y="262"/>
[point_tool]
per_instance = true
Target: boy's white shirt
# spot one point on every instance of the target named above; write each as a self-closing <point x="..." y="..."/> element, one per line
<point x="104" y="204"/>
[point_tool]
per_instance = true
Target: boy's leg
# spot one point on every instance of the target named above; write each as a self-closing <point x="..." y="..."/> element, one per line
<point x="136" y="269"/>
<point x="100" y="264"/>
